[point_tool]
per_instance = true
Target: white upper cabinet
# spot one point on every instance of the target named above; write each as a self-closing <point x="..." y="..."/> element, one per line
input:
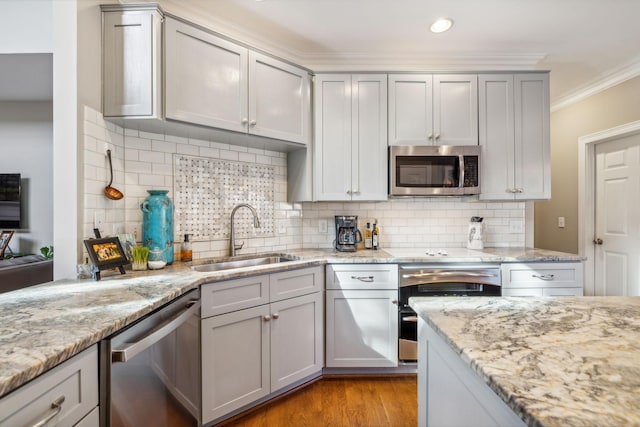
<point x="514" y="135"/>
<point x="427" y="109"/>
<point x="131" y="43"/>
<point x="213" y="82"/>
<point x="205" y="78"/>
<point x="350" y="148"/>
<point x="279" y="99"/>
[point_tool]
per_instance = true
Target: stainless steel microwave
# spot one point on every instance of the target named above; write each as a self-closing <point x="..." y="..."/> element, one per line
<point x="434" y="170"/>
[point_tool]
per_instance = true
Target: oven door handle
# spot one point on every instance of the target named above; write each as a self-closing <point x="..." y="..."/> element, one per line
<point x="447" y="274"/>
<point x="156" y="334"/>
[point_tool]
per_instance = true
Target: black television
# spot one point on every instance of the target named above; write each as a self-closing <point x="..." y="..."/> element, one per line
<point x="10" y="205"/>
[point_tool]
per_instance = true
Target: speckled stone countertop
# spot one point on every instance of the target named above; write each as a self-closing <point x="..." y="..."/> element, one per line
<point x="566" y="361"/>
<point x="42" y="326"/>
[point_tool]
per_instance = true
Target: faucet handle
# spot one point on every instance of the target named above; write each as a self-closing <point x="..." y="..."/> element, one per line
<point x="238" y="246"/>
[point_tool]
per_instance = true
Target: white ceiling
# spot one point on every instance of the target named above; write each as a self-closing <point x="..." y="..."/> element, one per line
<point x="582" y="42"/>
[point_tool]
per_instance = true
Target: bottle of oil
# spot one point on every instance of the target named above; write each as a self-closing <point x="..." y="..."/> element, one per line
<point x="368" y="242"/>
<point x="375" y="236"/>
<point x="186" y="254"/>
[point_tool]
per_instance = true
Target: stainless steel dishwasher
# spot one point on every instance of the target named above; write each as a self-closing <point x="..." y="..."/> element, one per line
<point x="150" y="371"/>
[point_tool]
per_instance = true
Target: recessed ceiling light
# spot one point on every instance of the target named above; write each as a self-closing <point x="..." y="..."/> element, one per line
<point x="441" y="25"/>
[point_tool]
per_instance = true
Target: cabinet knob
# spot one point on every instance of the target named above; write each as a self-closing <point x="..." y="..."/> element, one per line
<point x="245" y="121"/>
<point x="252" y="123"/>
<point x="437" y="136"/>
<point x="395" y="302"/>
<point x="598" y="241"/>
<point x="349" y="192"/>
<point x="267" y="318"/>
<point x="275" y="315"/>
<point x="430" y="137"/>
<point x="519" y="190"/>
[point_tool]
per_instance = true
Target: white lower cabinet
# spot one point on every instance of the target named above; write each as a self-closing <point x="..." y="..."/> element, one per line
<point x="544" y="279"/>
<point x="67" y="395"/>
<point x="362" y="316"/>
<point x="250" y="353"/>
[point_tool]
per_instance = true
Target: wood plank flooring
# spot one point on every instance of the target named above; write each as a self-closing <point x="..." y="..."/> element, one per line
<point x="340" y="402"/>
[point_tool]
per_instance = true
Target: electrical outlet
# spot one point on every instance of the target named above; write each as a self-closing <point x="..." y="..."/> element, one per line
<point x="560" y="222"/>
<point x="98" y="221"/>
<point x="516" y="226"/>
<point x="282" y="227"/>
<point x="322" y="226"/>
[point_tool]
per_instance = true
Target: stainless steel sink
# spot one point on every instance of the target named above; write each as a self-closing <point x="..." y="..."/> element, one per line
<point x="239" y="263"/>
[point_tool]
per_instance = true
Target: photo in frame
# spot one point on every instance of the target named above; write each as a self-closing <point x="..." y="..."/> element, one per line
<point x="5" y="238"/>
<point x="106" y="253"/>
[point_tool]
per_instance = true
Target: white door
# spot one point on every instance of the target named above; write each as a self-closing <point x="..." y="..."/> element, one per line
<point x="369" y="137"/>
<point x="332" y="145"/>
<point x="617" y="217"/>
<point x="279" y="99"/>
<point x="455" y="109"/>
<point x="411" y="109"/>
<point x="296" y="339"/>
<point x="362" y="328"/>
<point x="205" y="78"/>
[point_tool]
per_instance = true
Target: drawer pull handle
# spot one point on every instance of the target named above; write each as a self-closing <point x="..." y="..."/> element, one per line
<point x="363" y="278"/>
<point x="543" y="276"/>
<point x="56" y="405"/>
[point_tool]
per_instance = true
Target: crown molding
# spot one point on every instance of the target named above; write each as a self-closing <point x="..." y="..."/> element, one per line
<point x="607" y="81"/>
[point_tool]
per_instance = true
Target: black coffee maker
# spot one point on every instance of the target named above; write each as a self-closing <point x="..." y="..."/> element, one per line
<point x="347" y="233"/>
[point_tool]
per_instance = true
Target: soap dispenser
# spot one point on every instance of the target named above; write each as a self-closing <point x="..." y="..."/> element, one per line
<point x="186" y="254"/>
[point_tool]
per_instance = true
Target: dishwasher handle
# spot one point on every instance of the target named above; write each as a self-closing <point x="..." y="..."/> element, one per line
<point x="134" y="348"/>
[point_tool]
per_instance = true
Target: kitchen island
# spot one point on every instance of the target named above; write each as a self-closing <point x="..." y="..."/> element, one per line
<point x="569" y="361"/>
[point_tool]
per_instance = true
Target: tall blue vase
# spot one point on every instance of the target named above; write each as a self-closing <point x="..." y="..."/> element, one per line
<point x="157" y="222"/>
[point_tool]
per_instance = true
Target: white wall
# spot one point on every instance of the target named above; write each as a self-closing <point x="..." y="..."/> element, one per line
<point x="26" y="144"/>
<point x="26" y="26"/>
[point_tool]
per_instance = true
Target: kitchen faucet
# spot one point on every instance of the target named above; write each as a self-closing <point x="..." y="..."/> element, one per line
<point x="232" y="240"/>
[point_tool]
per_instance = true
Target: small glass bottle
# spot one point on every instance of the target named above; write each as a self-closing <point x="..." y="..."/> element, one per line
<point x="368" y="242"/>
<point x="374" y="236"/>
<point x="186" y="254"/>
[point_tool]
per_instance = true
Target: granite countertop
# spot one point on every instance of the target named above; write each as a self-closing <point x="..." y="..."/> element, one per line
<point x="567" y="361"/>
<point x="44" y="325"/>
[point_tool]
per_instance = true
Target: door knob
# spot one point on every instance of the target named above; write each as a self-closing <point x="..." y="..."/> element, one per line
<point x="598" y="241"/>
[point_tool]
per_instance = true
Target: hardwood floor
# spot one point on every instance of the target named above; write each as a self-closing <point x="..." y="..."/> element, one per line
<point x="340" y="402"/>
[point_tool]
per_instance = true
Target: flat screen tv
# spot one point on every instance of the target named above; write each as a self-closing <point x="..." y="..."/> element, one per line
<point x="10" y="200"/>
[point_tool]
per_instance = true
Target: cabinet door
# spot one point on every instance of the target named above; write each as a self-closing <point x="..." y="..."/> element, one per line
<point x="369" y="179"/>
<point x="410" y="109"/>
<point x="205" y="78"/>
<point x="362" y="328"/>
<point x="279" y="99"/>
<point x="332" y="145"/>
<point x="532" y="164"/>
<point x="296" y="339"/>
<point x="131" y="64"/>
<point x="497" y="181"/>
<point x="455" y="109"/>
<point x="235" y="361"/>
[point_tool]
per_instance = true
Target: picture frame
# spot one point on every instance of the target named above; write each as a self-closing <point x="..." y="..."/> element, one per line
<point x="106" y="253"/>
<point x="5" y="238"/>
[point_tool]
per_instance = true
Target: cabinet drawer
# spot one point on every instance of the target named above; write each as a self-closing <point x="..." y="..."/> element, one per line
<point x="76" y="380"/>
<point x="233" y="295"/>
<point x="562" y="292"/>
<point x="293" y="283"/>
<point x="362" y="276"/>
<point x="542" y="275"/>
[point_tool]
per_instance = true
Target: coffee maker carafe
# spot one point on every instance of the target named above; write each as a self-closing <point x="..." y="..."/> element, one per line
<point x="347" y="233"/>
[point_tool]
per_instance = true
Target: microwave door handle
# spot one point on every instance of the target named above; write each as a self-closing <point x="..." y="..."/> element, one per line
<point x="461" y="166"/>
<point x="155" y="335"/>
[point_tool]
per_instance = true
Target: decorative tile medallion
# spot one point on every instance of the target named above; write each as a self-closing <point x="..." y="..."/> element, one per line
<point x="206" y="191"/>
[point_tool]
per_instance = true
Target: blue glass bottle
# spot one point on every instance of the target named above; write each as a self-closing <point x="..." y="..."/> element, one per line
<point x="157" y="222"/>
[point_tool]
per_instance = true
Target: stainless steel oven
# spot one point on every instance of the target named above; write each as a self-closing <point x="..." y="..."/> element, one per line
<point x="426" y="280"/>
<point x="150" y="372"/>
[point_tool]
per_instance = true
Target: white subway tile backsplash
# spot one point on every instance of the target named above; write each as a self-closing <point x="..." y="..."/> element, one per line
<point x="143" y="161"/>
